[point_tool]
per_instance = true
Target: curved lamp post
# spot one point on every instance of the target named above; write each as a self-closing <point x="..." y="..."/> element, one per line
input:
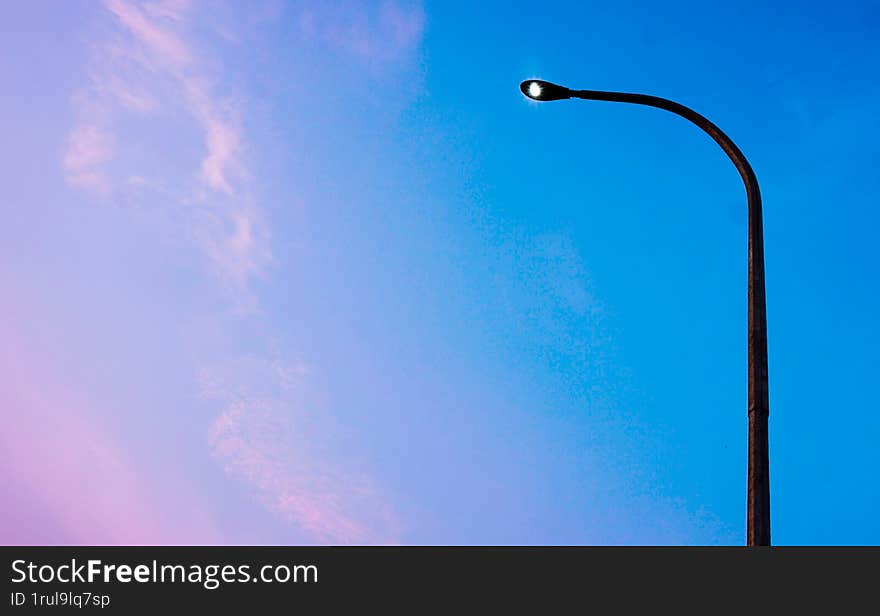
<point x="758" y="508"/>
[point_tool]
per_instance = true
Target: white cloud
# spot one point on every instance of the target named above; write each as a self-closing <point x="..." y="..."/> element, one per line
<point x="146" y="22"/>
<point x="151" y="77"/>
<point x="89" y="149"/>
<point x="374" y="32"/>
<point x="270" y="435"/>
<point x="151" y="57"/>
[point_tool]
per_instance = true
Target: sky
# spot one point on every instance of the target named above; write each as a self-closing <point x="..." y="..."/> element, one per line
<point x="308" y="273"/>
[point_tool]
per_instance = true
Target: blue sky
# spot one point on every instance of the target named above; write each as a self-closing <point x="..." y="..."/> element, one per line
<point x="288" y="273"/>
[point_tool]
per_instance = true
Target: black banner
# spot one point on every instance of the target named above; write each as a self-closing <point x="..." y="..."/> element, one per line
<point x="128" y="580"/>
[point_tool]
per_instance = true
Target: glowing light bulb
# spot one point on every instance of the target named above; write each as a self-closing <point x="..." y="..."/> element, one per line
<point x="535" y="89"/>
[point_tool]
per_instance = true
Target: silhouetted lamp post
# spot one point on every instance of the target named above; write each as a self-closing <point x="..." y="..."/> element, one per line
<point x="758" y="508"/>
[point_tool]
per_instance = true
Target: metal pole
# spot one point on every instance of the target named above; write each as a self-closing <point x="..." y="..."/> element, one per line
<point x="758" y="507"/>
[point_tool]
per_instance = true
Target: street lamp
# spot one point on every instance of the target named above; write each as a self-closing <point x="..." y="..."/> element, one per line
<point x="758" y="499"/>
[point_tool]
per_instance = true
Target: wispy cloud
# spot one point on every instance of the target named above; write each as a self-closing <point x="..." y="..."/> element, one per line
<point x="374" y="32"/>
<point x="131" y="97"/>
<point x="151" y="57"/>
<point x="153" y="76"/>
<point x="270" y="435"/>
<point x="146" y="23"/>
<point x="89" y="149"/>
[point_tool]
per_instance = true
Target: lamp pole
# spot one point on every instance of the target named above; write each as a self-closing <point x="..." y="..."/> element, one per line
<point x="758" y="499"/>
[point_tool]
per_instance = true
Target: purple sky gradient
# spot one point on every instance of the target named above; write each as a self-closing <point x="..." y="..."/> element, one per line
<point x="157" y="144"/>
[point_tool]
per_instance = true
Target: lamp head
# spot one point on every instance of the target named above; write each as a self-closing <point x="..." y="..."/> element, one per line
<point x="539" y="90"/>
